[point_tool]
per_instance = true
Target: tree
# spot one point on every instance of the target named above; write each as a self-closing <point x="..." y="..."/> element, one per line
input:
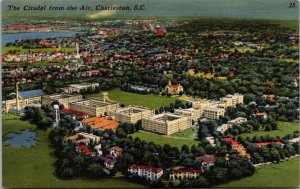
<point x="123" y="162"/>
<point x="185" y="149"/>
<point x="94" y="170"/>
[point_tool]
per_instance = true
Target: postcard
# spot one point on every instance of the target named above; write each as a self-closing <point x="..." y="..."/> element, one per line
<point x="150" y="94"/>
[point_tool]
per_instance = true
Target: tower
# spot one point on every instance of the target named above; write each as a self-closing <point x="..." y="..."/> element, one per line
<point x="57" y="114"/>
<point x="77" y="50"/>
<point x="17" y="96"/>
<point x="104" y="97"/>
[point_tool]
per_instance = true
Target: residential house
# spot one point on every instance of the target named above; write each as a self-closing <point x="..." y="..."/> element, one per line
<point x="116" y="151"/>
<point x="207" y="161"/>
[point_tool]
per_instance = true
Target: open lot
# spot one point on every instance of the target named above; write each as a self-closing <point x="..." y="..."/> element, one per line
<point x="163" y="139"/>
<point x="34" y="167"/>
<point x="284" y="128"/>
<point x="150" y="100"/>
<point x="282" y="175"/>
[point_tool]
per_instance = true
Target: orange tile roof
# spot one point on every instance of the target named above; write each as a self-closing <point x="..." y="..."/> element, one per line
<point x="101" y="123"/>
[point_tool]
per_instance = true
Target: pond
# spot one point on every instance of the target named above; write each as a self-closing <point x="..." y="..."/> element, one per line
<point x="25" y="139"/>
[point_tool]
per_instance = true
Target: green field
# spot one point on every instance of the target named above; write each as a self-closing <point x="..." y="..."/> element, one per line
<point x="150" y="100"/>
<point x="163" y="139"/>
<point x="20" y="50"/>
<point x="284" y="128"/>
<point x="280" y="175"/>
<point x="189" y="133"/>
<point x="33" y="167"/>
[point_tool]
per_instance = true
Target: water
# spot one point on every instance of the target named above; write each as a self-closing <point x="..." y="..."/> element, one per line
<point x="12" y="37"/>
<point x="26" y="139"/>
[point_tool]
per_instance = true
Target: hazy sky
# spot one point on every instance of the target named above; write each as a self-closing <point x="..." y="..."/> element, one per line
<point x="259" y="9"/>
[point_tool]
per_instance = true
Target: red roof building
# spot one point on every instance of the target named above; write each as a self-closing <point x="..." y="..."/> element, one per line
<point x="235" y="145"/>
<point x="84" y="149"/>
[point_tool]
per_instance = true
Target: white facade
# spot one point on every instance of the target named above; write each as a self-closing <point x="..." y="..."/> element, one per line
<point x="148" y="172"/>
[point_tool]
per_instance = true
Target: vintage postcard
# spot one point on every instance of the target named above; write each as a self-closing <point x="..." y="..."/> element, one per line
<point x="150" y="94"/>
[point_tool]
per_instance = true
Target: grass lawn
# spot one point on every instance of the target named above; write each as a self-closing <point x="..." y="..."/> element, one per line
<point x="150" y="100"/>
<point x="20" y="50"/>
<point x="280" y="175"/>
<point x="284" y="128"/>
<point x="189" y="133"/>
<point x="163" y="139"/>
<point x="44" y="63"/>
<point x="33" y="167"/>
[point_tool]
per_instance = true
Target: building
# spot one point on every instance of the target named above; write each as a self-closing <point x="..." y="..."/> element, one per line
<point x="83" y="148"/>
<point x="22" y="99"/>
<point x="185" y="173"/>
<point x="116" y="151"/>
<point x="237" y="120"/>
<point x="201" y="104"/>
<point x="224" y="127"/>
<point x="166" y="123"/>
<point x="94" y="107"/>
<point x="173" y="88"/>
<point x="100" y="123"/>
<point x="109" y="161"/>
<point x="235" y="145"/>
<point x="260" y="144"/>
<point x="232" y="100"/>
<point x="261" y="114"/>
<point x="195" y="114"/>
<point x="147" y="172"/>
<point x="131" y="114"/>
<point x="295" y="140"/>
<point x="213" y="112"/>
<point x="207" y="161"/>
<point x="85" y="138"/>
<point x="63" y="99"/>
<point x="78" y="87"/>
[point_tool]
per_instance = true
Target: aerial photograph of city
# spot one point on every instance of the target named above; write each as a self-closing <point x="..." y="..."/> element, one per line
<point x="150" y="94"/>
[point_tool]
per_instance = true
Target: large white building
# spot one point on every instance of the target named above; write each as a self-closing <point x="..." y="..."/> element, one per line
<point x="64" y="99"/>
<point x="213" y="112"/>
<point x="194" y="113"/>
<point x="232" y="100"/>
<point x="79" y="86"/>
<point x="224" y="127"/>
<point x="166" y="123"/>
<point x="94" y="107"/>
<point x="131" y="114"/>
<point x="148" y="172"/>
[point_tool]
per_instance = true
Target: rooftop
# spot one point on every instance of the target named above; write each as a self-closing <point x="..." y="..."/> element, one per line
<point x="149" y="168"/>
<point x="60" y="96"/>
<point x="165" y="117"/>
<point x="101" y="123"/>
<point x="31" y="93"/>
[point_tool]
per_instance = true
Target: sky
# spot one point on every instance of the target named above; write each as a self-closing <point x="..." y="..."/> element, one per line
<point x="249" y="9"/>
